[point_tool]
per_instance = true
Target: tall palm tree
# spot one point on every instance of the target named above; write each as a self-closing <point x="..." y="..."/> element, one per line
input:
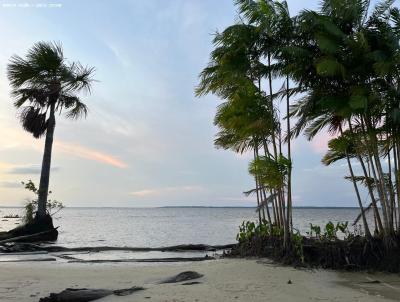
<point x="43" y="84"/>
<point x="345" y="59"/>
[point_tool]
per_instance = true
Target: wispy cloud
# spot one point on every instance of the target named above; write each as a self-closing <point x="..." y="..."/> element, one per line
<point x="28" y="169"/>
<point x="91" y="154"/>
<point x="10" y="184"/>
<point x="166" y="190"/>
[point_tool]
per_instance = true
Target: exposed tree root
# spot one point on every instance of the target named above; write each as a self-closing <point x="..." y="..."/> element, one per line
<point x="38" y="230"/>
<point x="355" y="254"/>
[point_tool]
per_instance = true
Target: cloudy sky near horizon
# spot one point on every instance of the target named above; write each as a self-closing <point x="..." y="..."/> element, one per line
<point x="147" y="140"/>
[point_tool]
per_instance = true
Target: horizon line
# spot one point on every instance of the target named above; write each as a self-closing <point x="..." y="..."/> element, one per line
<point x="164" y="207"/>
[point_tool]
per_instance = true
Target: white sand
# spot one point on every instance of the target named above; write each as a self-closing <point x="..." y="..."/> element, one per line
<point x="224" y="280"/>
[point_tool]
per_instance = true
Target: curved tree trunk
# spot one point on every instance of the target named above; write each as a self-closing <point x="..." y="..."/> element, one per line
<point x="377" y="216"/>
<point x="258" y="195"/>
<point x="365" y="223"/>
<point x="46" y="165"/>
<point x="289" y="181"/>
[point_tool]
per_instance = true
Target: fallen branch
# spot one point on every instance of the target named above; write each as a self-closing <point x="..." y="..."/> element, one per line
<point x="174" y="248"/>
<point x="30" y="260"/>
<point x="179" y="259"/>
<point x="86" y="295"/>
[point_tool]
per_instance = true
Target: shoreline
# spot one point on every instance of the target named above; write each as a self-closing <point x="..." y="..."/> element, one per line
<point x="224" y="280"/>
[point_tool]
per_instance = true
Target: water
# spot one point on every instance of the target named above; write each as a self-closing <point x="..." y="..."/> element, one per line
<point x="154" y="227"/>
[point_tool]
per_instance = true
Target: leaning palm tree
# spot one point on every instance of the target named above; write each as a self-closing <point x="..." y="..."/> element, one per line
<point x="44" y="84"/>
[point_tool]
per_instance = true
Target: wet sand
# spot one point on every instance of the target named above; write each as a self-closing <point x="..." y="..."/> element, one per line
<point x="224" y="280"/>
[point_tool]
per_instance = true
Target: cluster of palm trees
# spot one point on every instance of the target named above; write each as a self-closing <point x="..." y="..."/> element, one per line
<point x="243" y="66"/>
<point x="340" y="65"/>
<point x="353" y="89"/>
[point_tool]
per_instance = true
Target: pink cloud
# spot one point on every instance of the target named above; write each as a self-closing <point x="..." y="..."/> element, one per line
<point x="87" y="153"/>
<point x="319" y="143"/>
<point x="166" y="190"/>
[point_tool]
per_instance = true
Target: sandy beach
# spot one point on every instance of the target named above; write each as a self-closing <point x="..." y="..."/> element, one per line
<point x="224" y="280"/>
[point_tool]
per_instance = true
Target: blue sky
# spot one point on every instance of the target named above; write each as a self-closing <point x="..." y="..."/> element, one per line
<point x="147" y="140"/>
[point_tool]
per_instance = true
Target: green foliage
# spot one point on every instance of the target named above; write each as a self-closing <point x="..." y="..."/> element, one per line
<point x="45" y="80"/>
<point x="314" y="229"/>
<point x="249" y="230"/>
<point x="330" y="230"/>
<point x="272" y="173"/>
<point x="53" y="206"/>
<point x="297" y="243"/>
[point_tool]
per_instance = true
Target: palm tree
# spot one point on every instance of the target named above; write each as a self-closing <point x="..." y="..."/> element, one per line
<point x="247" y="57"/>
<point x="346" y="62"/>
<point x="44" y="84"/>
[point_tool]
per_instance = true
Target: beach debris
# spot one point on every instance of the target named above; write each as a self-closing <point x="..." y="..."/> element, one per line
<point x="86" y="295"/>
<point x="18" y="246"/>
<point x="184" y="276"/>
<point x="192" y="283"/>
<point x="30" y="260"/>
<point x="174" y="259"/>
<point x="373" y="282"/>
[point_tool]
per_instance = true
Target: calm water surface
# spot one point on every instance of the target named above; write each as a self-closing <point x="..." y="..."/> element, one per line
<point x="153" y="227"/>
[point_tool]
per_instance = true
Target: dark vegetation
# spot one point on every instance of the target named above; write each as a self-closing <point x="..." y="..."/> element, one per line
<point x="333" y="247"/>
<point x="338" y="71"/>
<point x="12" y="216"/>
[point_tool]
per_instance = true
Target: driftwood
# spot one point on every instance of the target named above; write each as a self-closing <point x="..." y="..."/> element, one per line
<point x="85" y="294"/>
<point x="19" y="247"/>
<point x="25" y="253"/>
<point x="174" y="248"/>
<point x="184" y="276"/>
<point x="175" y="259"/>
<point x="30" y="260"/>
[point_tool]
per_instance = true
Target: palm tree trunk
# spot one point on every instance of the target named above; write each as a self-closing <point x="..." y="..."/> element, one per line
<point x="46" y="165"/>
<point x="259" y="185"/>
<point x="272" y="105"/>
<point x="274" y="211"/>
<point x="370" y="189"/>
<point x="396" y="165"/>
<point x="373" y="199"/>
<point x="367" y="232"/>
<point x="366" y="228"/>
<point x="266" y="205"/>
<point x="379" y="185"/>
<point x="391" y="192"/>
<point x="259" y="200"/>
<point x="258" y="195"/>
<point x="289" y="182"/>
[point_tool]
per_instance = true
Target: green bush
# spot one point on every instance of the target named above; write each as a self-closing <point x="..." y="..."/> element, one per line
<point x="53" y="206"/>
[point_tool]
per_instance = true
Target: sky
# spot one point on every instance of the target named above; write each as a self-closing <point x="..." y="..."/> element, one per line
<point x="147" y="141"/>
